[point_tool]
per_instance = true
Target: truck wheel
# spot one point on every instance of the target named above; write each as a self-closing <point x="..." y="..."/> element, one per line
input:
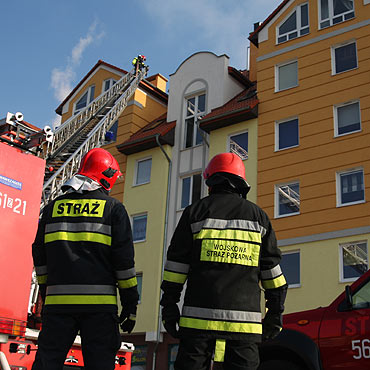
<point x="279" y="365"/>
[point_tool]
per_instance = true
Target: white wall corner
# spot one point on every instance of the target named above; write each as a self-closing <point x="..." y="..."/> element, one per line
<point x="151" y="336"/>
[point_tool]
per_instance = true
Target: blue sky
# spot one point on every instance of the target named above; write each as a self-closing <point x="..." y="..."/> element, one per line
<point x="47" y="46"/>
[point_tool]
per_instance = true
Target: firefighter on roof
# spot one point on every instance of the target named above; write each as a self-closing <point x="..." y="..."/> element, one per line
<point x="139" y="63"/>
<point x="82" y="252"/>
<point x="223" y="247"/>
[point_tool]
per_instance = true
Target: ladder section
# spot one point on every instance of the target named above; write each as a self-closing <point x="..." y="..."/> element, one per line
<point x="85" y="131"/>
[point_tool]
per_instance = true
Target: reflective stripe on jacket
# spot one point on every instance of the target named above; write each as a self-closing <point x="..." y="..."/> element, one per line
<point x="223" y="248"/>
<point x="83" y="251"/>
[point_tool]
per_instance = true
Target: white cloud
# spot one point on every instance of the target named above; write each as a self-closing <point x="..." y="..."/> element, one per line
<point x="224" y="26"/>
<point x="62" y="78"/>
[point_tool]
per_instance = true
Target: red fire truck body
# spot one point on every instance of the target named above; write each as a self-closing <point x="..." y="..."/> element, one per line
<point x="327" y="338"/>
<point x="21" y="182"/>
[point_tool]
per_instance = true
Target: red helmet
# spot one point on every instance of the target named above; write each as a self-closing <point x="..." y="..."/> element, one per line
<point x="143" y="57"/>
<point x="100" y="165"/>
<point x="228" y="163"/>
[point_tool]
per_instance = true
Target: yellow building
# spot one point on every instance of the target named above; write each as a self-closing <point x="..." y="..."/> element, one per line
<point x="313" y="71"/>
<point x="148" y="102"/>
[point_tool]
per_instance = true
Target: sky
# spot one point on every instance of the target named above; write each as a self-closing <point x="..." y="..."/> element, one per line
<point x="48" y="46"/>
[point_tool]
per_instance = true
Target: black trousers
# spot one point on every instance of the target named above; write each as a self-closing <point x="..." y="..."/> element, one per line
<point x="100" y="340"/>
<point x="195" y="353"/>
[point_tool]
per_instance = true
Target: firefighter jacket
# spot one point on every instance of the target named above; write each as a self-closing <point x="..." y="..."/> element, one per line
<point x="83" y="251"/>
<point x="223" y="247"/>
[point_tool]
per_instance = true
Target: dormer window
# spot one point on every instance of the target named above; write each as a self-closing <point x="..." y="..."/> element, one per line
<point x="85" y="99"/>
<point x="295" y="25"/>
<point x="335" y="11"/>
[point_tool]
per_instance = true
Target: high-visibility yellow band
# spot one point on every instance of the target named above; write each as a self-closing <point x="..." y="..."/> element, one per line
<point x="42" y="279"/>
<point x="224" y="251"/>
<point x="230" y="234"/>
<point x="274" y="283"/>
<point x="81" y="299"/>
<point x="174" y="277"/>
<point x="220" y="350"/>
<point x="78" y="208"/>
<point x="234" y="327"/>
<point x="78" y="237"/>
<point x="129" y="283"/>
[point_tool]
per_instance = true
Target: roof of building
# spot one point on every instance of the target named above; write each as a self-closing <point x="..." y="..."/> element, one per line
<point x="242" y="107"/>
<point x="253" y="36"/>
<point x="146" y="137"/>
<point x="145" y="84"/>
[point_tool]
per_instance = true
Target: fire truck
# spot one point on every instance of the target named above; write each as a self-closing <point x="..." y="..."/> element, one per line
<point x="326" y="338"/>
<point x="34" y="164"/>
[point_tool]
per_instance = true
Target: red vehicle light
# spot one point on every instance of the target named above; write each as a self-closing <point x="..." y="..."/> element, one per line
<point x="12" y="327"/>
<point x="17" y="367"/>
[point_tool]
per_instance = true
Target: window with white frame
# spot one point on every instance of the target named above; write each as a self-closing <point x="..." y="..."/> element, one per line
<point x="344" y="57"/>
<point x="286" y="134"/>
<point x="354" y="260"/>
<point x="335" y="11"/>
<point x="195" y="108"/>
<point x="139" y="223"/>
<point x="286" y="75"/>
<point x="291" y="266"/>
<point x="287" y="199"/>
<point x="139" y="278"/>
<point x="143" y="170"/>
<point x="347" y="118"/>
<point x="295" y="25"/>
<point x="85" y="99"/>
<point x="107" y="84"/>
<point x="350" y="187"/>
<point x="191" y="189"/>
<point x="238" y="144"/>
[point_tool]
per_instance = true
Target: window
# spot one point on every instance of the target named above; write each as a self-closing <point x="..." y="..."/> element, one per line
<point x="290" y="265"/>
<point x="107" y="84"/>
<point x="354" y="260"/>
<point x="335" y="11"/>
<point x="287" y="199"/>
<point x="361" y="299"/>
<point x="286" y="76"/>
<point x="191" y="189"/>
<point x="347" y="118"/>
<point x="139" y="278"/>
<point x="195" y="108"/>
<point x="344" y="57"/>
<point x="286" y="134"/>
<point x="143" y="170"/>
<point x="238" y="144"/>
<point x="85" y="100"/>
<point x="295" y="25"/>
<point x="350" y="187"/>
<point x="139" y="228"/>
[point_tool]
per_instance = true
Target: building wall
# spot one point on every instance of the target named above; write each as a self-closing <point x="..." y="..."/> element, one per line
<point x="141" y="109"/>
<point x="149" y="198"/>
<point x="218" y="143"/>
<point x="202" y="72"/>
<point x="319" y="155"/>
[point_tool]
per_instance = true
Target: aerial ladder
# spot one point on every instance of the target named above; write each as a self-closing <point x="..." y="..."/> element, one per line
<point x="84" y="131"/>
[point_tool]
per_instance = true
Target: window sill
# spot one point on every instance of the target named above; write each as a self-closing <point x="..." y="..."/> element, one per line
<point x="351" y="203"/>
<point x="347" y="70"/>
<point x="293" y="286"/>
<point x="287" y="88"/>
<point x="287" y="215"/>
<point x="143" y="183"/>
<point x="347" y="133"/>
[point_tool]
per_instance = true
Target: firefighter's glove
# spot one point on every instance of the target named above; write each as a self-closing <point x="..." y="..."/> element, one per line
<point x="271" y="325"/>
<point x="128" y="322"/>
<point x="170" y="319"/>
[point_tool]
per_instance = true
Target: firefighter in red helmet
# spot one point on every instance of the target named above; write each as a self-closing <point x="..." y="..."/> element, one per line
<point x="223" y="248"/>
<point x="83" y="252"/>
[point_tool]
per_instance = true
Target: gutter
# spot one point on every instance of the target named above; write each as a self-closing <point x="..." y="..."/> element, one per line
<point x="164" y="248"/>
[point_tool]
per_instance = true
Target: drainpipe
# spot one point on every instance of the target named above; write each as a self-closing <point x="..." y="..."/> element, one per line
<point x="164" y="245"/>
